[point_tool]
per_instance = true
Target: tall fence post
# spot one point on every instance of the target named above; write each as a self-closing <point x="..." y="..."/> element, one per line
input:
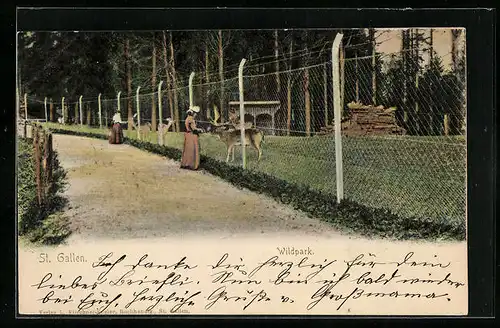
<point x="138" y="113"/>
<point x="337" y="116"/>
<point x="160" y="103"/>
<point x="81" y="109"/>
<point x="118" y="102"/>
<point x="191" y="89"/>
<point x="63" y="111"/>
<point x="100" y="110"/>
<point x="242" y="113"/>
<point x="17" y="103"/>
<point x="160" y="115"/>
<point x="26" y="106"/>
<point x="45" y="107"/>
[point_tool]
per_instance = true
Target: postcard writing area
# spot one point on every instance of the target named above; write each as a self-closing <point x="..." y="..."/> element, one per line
<point x="279" y="280"/>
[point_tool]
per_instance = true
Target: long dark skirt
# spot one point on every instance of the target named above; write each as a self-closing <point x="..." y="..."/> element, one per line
<point x="116" y="134"/>
<point x="191" y="152"/>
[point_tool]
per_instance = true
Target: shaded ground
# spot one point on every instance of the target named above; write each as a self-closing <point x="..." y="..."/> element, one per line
<point x="119" y="192"/>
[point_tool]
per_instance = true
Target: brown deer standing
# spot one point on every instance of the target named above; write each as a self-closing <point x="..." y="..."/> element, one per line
<point x="231" y="136"/>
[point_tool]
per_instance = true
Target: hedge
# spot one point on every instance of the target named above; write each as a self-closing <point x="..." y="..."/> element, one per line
<point x="347" y="216"/>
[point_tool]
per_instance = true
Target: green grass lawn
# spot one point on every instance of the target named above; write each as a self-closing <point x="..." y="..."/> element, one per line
<point x="411" y="176"/>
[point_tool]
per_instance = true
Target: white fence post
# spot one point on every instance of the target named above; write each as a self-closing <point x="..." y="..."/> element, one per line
<point x="17" y="103"/>
<point x="138" y="113"/>
<point x="81" y="109"/>
<point x="160" y="115"/>
<point x="45" y="106"/>
<point x="191" y="76"/>
<point x="100" y="113"/>
<point x="338" y="118"/>
<point x="160" y="103"/>
<point x="118" y="101"/>
<point x="242" y="113"/>
<point x="62" y="111"/>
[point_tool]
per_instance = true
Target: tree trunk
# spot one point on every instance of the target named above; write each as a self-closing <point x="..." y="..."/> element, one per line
<point x="289" y="94"/>
<point x="221" y="77"/>
<point x="89" y="115"/>
<point x="325" y="92"/>
<point x="308" y="102"/>
<point x="374" y="67"/>
<point x="52" y="113"/>
<point x="207" y="80"/>
<point x="417" y="68"/>
<point x="276" y="56"/>
<point x="169" y="82"/>
<point x="153" y="85"/>
<point x="307" y="95"/>
<point x="357" y="77"/>
<point x="431" y="47"/>
<point x="129" y="85"/>
<point x="454" y="49"/>
<point x="77" y="117"/>
<point x="174" y="85"/>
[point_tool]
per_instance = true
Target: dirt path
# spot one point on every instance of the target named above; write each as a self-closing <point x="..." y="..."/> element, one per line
<point x="121" y="192"/>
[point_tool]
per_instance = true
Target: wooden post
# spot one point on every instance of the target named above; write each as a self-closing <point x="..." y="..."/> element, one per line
<point x="45" y="107"/>
<point x="338" y="118"/>
<point x="25" y="106"/>
<point x="100" y="110"/>
<point x="242" y="112"/>
<point x="81" y="110"/>
<point x="48" y="162"/>
<point x="52" y="110"/>
<point x="325" y="92"/>
<point x="36" y="147"/>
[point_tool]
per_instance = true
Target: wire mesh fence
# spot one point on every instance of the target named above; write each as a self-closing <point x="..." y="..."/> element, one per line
<point x="402" y="130"/>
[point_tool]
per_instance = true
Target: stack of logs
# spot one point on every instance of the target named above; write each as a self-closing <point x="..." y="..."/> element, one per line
<point x="367" y="120"/>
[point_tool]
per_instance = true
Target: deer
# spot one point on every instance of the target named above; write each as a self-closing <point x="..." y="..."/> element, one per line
<point x="230" y="135"/>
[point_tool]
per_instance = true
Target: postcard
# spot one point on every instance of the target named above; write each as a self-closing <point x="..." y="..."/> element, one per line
<point x="242" y="172"/>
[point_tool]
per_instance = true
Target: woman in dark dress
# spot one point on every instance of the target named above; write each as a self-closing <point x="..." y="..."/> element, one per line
<point x="191" y="152"/>
<point x="116" y="133"/>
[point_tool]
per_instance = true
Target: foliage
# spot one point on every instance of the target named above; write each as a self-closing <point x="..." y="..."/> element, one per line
<point x="36" y="221"/>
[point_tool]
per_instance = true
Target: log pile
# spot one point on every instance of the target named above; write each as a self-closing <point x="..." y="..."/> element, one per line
<point x="367" y="120"/>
